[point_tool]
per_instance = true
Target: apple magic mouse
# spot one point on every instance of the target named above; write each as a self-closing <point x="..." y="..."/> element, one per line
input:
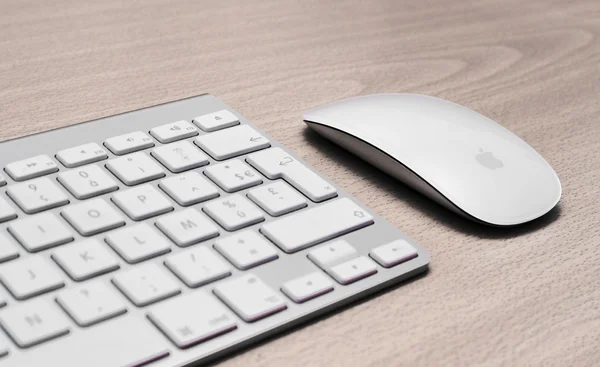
<point x="456" y="156"/>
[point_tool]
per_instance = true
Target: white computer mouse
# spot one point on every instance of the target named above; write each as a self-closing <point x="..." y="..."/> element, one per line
<point x="457" y="157"/>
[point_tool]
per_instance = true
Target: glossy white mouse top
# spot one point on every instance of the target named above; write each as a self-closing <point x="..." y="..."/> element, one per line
<point x="479" y="166"/>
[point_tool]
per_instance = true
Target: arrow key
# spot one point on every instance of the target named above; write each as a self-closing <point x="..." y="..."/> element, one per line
<point x="307" y="287"/>
<point x="353" y="270"/>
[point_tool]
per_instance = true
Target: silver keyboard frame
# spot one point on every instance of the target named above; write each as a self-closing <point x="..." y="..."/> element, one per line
<point x="275" y="273"/>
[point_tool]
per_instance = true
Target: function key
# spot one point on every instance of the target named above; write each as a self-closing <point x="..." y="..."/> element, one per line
<point x="173" y="131"/>
<point x="232" y="142"/>
<point x="393" y="253"/>
<point x="216" y="121"/>
<point x="80" y="155"/>
<point x="30" y="168"/>
<point x="128" y="143"/>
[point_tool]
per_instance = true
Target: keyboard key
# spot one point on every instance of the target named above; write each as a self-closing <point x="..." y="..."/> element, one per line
<point x="129" y="143"/>
<point x="146" y="284"/>
<point x="393" y="253"/>
<point x="142" y="202"/>
<point x="250" y="298"/>
<point x="80" y="155"/>
<point x="174" y="131"/>
<point x="135" y="169"/>
<point x="276" y="163"/>
<point x="233" y="212"/>
<point x="92" y="217"/>
<point x="87" y="182"/>
<point x="189" y="188"/>
<point x="34" y="322"/>
<point x="353" y="270"/>
<point x="332" y="253"/>
<point x="37" y="195"/>
<point x="85" y="259"/>
<point x="216" y="121"/>
<point x="8" y="250"/>
<point x="138" y="243"/>
<point x="315" y="225"/>
<point x="187" y="227"/>
<point x="180" y="156"/>
<point x="180" y="320"/>
<point x="30" y="277"/>
<point x="277" y="198"/>
<point x="307" y="287"/>
<point x="7" y="212"/>
<point x="233" y="175"/>
<point x="198" y="266"/>
<point x="41" y="231"/>
<point x="246" y="249"/>
<point x="2" y="181"/>
<point x="92" y="303"/>
<point x="3" y="350"/>
<point x="232" y="142"/>
<point x="31" y="168"/>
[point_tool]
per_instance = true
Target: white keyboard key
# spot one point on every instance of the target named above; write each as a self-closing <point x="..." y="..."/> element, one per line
<point x="276" y="163"/>
<point x="8" y="250"/>
<point x="198" y="266"/>
<point x="307" y="287"/>
<point x="233" y="212"/>
<point x="86" y="182"/>
<point x="180" y="320"/>
<point x="138" y="243"/>
<point x="174" y="131"/>
<point x="187" y="227"/>
<point x="135" y="169"/>
<point x="41" y="231"/>
<point x="129" y="143"/>
<point x="142" y="202"/>
<point x="233" y="175"/>
<point x="85" y="259"/>
<point x="34" y="322"/>
<point x="216" y="120"/>
<point x="7" y="212"/>
<point x="146" y="284"/>
<point x="92" y="217"/>
<point x="393" y="253"/>
<point x="332" y="253"/>
<point x="91" y="303"/>
<point x="250" y="298"/>
<point x="30" y="168"/>
<point x="29" y="277"/>
<point x="37" y="195"/>
<point x="315" y="225"/>
<point x="180" y="156"/>
<point x="277" y="198"/>
<point x="2" y="181"/>
<point x="189" y="188"/>
<point x="246" y="249"/>
<point x="80" y="155"/>
<point x="3" y="350"/>
<point x="232" y="142"/>
<point x="353" y="270"/>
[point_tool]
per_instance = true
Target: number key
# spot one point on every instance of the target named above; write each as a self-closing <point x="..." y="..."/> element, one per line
<point x="37" y="195"/>
<point x="87" y="182"/>
<point x="135" y="169"/>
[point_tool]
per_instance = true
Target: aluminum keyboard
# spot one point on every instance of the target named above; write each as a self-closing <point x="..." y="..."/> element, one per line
<point x="175" y="234"/>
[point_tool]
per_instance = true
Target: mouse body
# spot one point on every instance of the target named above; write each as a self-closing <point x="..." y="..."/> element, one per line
<point x="456" y="156"/>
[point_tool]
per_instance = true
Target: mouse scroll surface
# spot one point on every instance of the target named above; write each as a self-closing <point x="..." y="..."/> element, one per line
<point x="473" y="162"/>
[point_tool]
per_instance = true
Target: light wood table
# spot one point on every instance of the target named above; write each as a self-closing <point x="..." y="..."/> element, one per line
<point x="523" y="296"/>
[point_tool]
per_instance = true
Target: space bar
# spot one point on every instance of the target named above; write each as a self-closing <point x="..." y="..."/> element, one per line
<point x="123" y="342"/>
<point x="315" y="225"/>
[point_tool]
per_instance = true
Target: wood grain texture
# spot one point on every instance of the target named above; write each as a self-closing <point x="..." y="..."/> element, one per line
<point x="523" y="296"/>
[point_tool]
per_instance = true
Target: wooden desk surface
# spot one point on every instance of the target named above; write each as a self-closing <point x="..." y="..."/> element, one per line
<point x="523" y="296"/>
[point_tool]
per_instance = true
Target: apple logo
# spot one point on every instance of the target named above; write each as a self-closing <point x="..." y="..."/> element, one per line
<point x="488" y="160"/>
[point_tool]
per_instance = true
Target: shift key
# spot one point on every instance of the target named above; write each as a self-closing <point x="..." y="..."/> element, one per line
<point x="318" y="224"/>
